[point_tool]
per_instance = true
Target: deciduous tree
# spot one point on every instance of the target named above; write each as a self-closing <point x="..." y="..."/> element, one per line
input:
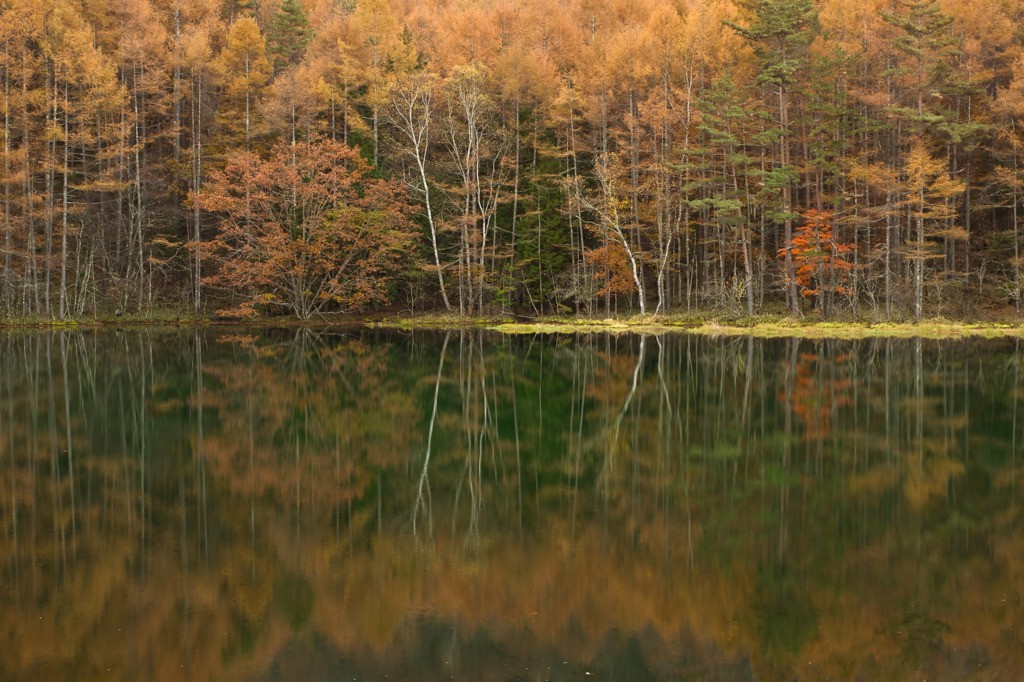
<point x="307" y="229"/>
<point x="244" y="73"/>
<point x="822" y="266"/>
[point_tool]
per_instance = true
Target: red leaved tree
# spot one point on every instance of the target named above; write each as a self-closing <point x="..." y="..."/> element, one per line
<point x="611" y="270"/>
<point x="306" y="229"/>
<point x="821" y="267"/>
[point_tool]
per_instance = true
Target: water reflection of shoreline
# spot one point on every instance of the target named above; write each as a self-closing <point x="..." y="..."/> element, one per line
<point x="227" y="502"/>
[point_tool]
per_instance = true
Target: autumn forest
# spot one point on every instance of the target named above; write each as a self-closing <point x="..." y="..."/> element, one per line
<point x="480" y="157"/>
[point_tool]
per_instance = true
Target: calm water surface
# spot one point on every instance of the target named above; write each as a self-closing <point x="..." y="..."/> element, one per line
<point x="296" y="505"/>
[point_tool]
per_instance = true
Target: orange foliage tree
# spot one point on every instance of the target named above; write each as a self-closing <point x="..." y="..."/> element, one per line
<point x="306" y="229"/>
<point x="611" y="270"/>
<point x="820" y="267"/>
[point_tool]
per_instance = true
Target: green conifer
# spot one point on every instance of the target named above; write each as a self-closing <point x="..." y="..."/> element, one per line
<point x="289" y="34"/>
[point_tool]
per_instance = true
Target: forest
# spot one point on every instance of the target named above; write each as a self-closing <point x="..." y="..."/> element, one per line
<point x="534" y="157"/>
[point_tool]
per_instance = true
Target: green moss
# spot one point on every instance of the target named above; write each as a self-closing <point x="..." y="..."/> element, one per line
<point x="765" y="326"/>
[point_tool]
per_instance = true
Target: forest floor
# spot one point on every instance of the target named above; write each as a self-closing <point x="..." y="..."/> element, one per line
<point x="936" y="328"/>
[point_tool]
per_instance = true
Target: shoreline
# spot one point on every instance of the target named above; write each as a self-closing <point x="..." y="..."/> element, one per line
<point x="932" y="329"/>
<point x="757" y="327"/>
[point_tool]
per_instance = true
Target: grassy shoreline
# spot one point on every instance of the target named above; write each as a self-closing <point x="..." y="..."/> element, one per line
<point x="760" y="327"/>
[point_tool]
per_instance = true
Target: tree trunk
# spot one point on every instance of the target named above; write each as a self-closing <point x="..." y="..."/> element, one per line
<point x="197" y="153"/>
<point x="787" y="201"/>
<point x="64" y="216"/>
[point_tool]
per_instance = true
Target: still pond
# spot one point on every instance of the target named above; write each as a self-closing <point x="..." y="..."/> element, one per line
<point x="237" y="504"/>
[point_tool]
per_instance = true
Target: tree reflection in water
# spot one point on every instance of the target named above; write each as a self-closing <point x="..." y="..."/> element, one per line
<point x="309" y="504"/>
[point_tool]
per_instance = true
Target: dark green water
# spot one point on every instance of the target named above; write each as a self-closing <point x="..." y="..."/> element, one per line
<point x="290" y="505"/>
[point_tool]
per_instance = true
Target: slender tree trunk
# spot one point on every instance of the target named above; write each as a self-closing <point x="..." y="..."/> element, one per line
<point x="1016" y="227"/>
<point x="344" y="111"/>
<point x="616" y="228"/>
<point x="138" y="208"/>
<point x="8" y="292"/>
<point x="787" y="201"/>
<point x="919" y="260"/>
<point x="64" y="216"/>
<point x="248" y="99"/>
<point x="123" y="259"/>
<point x="418" y="132"/>
<point x="748" y="274"/>
<point x="375" y="105"/>
<point x="967" y="229"/>
<point x="197" y="152"/>
<point x="31" y="298"/>
<point x="515" y="198"/>
<point x="51" y="199"/>
<point x="762" y="264"/>
<point x="421" y="154"/>
<point x="176" y="94"/>
<point x="888" y="252"/>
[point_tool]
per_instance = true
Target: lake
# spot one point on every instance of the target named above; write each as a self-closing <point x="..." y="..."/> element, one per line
<point x="303" y="504"/>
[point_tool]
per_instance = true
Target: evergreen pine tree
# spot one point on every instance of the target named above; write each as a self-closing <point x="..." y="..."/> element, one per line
<point x="289" y="34"/>
<point x="780" y="33"/>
